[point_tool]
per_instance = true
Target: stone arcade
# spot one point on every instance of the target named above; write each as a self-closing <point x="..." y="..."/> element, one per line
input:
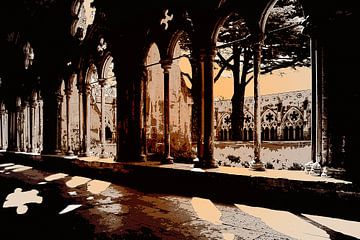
<point x="64" y="61"/>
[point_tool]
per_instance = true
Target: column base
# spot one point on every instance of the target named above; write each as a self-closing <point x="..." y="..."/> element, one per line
<point x="205" y="164"/>
<point x="70" y="153"/>
<point x="57" y="152"/>
<point x="85" y="154"/>
<point x="167" y="160"/>
<point x="257" y="166"/>
<point x="315" y="169"/>
<point x="143" y="158"/>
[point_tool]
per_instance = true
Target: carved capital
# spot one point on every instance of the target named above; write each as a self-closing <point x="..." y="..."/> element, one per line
<point x="68" y="92"/>
<point x="207" y="54"/>
<point x="166" y="65"/>
<point x="88" y="89"/>
<point x="102" y="82"/>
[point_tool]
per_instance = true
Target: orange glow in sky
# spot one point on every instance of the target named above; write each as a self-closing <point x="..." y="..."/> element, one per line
<point x="282" y="80"/>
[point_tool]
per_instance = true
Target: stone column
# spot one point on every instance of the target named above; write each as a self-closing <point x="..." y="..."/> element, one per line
<point x="23" y="125"/>
<point x="40" y="124"/>
<point x="102" y="82"/>
<point x="11" y="133"/>
<point x="17" y="125"/>
<point x="59" y="100"/>
<point x="5" y="129"/>
<point x="32" y="121"/>
<point x="2" y="114"/>
<point x="87" y="121"/>
<point x="256" y="164"/>
<point x="143" y="90"/>
<point x="80" y="120"/>
<point x="317" y="108"/>
<point x="166" y="65"/>
<point x="28" y="126"/>
<point x="69" y="151"/>
<point x="206" y="110"/>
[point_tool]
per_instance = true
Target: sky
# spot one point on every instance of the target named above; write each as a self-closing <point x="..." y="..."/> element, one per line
<point x="282" y="80"/>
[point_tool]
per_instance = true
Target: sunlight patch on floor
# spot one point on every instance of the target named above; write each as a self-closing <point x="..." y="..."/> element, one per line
<point x="206" y="210"/>
<point x="6" y="164"/>
<point x="56" y="176"/>
<point x="286" y="223"/>
<point x="77" y="181"/>
<point x="346" y="227"/>
<point x="20" y="199"/>
<point x="17" y="168"/>
<point x="21" y="169"/>
<point x="97" y="186"/>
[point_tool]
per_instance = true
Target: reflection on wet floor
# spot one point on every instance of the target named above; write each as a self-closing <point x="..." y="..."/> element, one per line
<point x="350" y="228"/>
<point x="55" y="176"/>
<point x="70" y="208"/>
<point x="20" y="199"/>
<point x="72" y="193"/>
<point x="286" y="223"/>
<point x="206" y="210"/>
<point x="111" y="208"/>
<point x="77" y="181"/>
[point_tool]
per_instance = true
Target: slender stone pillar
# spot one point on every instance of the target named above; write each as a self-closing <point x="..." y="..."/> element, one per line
<point x="102" y="83"/>
<point x="80" y="120"/>
<point x="2" y="114"/>
<point x="69" y="151"/>
<point x="23" y="126"/>
<point x="256" y="164"/>
<point x="9" y="132"/>
<point x="59" y="99"/>
<point x="5" y="129"/>
<point x="166" y="65"/>
<point x="28" y="126"/>
<point x="87" y="121"/>
<point x="40" y="125"/>
<point x="143" y="153"/>
<point x="32" y="121"/>
<point x="17" y="125"/>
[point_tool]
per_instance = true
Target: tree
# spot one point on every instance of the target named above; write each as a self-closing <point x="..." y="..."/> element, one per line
<point x="235" y="54"/>
<point x="284" y="46"/>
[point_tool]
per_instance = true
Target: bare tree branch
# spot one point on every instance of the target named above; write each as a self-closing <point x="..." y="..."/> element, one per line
<point x="247" y="81"/>
<point x="225" y="45"/>
<point x="218" y="75"/>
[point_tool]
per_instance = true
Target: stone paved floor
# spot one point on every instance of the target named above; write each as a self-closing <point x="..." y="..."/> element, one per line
<point x="77" y="207"/>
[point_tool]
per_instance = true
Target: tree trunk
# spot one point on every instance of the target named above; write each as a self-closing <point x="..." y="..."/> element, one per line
<point x="236" y="99"/>
<point x="196" y="104"/>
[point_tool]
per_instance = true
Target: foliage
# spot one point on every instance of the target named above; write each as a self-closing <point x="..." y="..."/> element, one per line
<point x="296" y="166"/>
<point x="245" y="164"/>
<point x="269" y="165"/>
<point x="285" y="45"/>
<point x="234" y="159"/>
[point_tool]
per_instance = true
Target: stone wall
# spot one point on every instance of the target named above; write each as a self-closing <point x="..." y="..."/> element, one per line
<point x="284" y="116"/>
<point x="180" y="107"/>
